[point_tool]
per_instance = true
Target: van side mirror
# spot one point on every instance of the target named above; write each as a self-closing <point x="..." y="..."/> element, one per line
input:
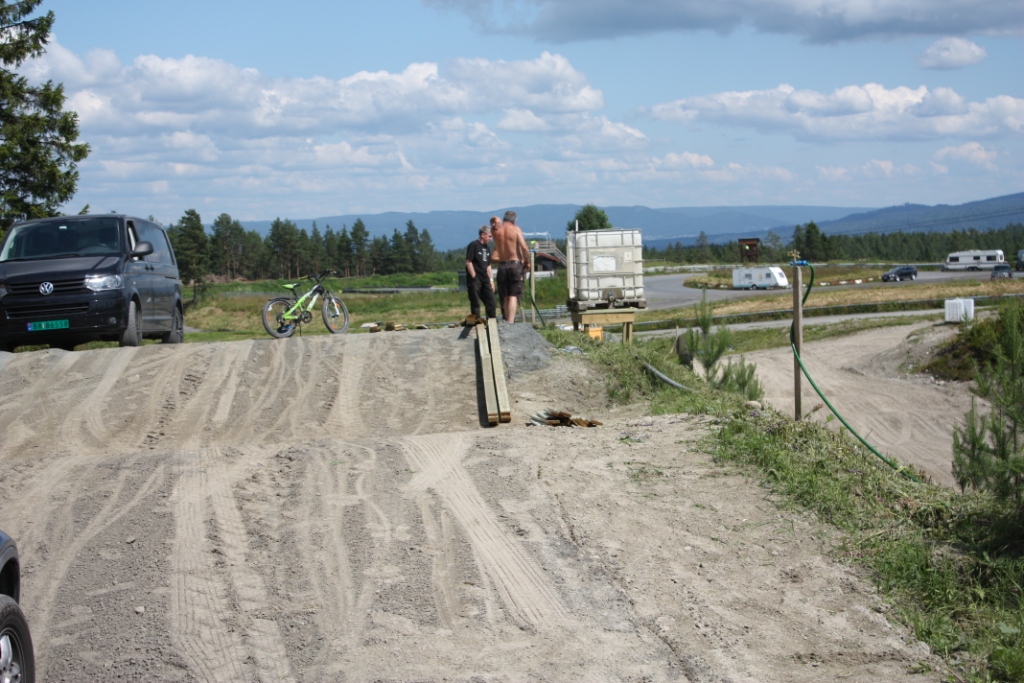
<point x="142" y="249"/>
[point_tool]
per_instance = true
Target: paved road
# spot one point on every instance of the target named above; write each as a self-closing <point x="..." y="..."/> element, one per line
<point x="667" y="291"/>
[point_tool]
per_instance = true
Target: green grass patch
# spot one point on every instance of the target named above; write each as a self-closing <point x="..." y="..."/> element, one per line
<point x="747" y="341"/>
<point x="232" y="311"/>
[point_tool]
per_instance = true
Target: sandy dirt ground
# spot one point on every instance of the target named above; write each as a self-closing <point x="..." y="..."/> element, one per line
<point x="333" y="509"/>
<point x="869" y="378"/>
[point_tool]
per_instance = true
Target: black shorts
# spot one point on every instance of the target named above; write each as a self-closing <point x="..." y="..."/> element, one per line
<point x="510" y="278"/>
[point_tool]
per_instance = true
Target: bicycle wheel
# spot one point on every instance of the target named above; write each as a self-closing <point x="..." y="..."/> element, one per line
<point x="273" y="318"/>
<point x="335" y="314"/>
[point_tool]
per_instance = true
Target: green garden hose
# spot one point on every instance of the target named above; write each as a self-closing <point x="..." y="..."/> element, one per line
<point x="803" y="368"/>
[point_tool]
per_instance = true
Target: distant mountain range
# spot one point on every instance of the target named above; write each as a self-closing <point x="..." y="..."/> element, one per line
<point x="661" y="227"/>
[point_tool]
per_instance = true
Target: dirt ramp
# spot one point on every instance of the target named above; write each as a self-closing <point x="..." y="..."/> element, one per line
<point x="905" y="416"/>
<point x="331" y="508"/>
<point x="162" y="397"/>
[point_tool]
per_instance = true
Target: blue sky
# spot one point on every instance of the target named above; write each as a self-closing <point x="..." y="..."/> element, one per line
<point x="312" y="108"/>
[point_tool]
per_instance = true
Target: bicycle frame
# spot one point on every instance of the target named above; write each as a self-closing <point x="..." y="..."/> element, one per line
<point x="295" y="311"/>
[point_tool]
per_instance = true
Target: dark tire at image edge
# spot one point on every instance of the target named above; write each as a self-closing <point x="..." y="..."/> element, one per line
<point x="132" y="335"/>
<point x="16" y="655"/>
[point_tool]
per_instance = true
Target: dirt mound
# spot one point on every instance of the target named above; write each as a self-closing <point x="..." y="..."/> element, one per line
<point x="868" y="378"/>
<point x="331" y="508"/>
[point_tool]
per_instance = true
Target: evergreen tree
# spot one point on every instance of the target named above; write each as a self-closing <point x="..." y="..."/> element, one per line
<point x="988" y="451"/>
<point x="590" y="218"/>
<point x="38" y="153"/>
<point x="378" y="255"/>
<point x="360" y="248"/>
<point x="191" y="249"/>
<point x="345" y="254"/>
<point x="411" y="238"/>
<point x="426" y="254"/>
<point x="284" y="248"/>
<point x="317" y="251"/>
<point x="226" y="246"/>
<point x="399" y="254"/>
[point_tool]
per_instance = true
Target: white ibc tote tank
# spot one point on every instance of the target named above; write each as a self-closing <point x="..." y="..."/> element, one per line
<point x="959" y="310"/>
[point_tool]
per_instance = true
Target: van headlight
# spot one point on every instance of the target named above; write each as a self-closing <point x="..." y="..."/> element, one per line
<point x="99" y="283"/>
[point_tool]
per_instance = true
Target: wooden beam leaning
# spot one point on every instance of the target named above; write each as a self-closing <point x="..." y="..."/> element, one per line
<point x="504" y="405"/>
<point x="487" y="372"/>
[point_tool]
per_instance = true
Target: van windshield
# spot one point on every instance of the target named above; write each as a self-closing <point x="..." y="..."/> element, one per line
<point x="63" y="238"/>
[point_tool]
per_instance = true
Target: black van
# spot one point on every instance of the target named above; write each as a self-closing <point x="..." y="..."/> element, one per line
<point x="73" y="279"/>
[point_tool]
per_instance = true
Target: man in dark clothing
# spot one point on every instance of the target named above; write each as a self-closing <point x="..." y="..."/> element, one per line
<point x="478" y="274"/>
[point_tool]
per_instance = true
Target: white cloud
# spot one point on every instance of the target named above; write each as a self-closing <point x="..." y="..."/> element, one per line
<point x="210" y="95"/>
<point x="951" y="53"/>
<point x="833" y="173"/>
<point x="971" y="152"/>
<point x="734" y="172"/>
<point x="868" y="112"/>
<point x="821" y="21"/>
<point x="877" y="167"/>
<point x="687" y="160"/>
<point x="522" y="120"/>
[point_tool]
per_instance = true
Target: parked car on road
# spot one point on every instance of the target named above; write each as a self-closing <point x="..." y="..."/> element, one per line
<point x="72" y="279"/>
<point x="1001" y="271"/>
<point x="900" y="273"/>
<point x="17" y="660"/>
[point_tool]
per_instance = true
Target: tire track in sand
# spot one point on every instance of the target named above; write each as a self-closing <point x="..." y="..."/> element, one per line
<point x="344" y="416"/>
<point x="73" y="544"/>
<point x="216" y="604"/>
<point x="529" y="597"/>
<point x="18" y="408"/>
<point x="90" y="410"/>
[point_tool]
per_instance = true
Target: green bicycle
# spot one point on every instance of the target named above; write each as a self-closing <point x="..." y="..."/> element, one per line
<point x="282" y="315"/>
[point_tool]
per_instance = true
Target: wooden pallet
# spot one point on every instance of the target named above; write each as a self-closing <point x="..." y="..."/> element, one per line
<point x="492" y="368"/>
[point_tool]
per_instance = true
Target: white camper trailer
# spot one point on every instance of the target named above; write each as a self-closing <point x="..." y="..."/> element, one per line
<point x="976" y="259"/>
<point x="759" y="277"/>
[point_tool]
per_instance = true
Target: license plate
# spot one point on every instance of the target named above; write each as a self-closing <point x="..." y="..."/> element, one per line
<point x="48" y="325"/>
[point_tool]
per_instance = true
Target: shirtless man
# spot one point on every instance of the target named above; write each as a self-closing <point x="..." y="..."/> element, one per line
<point x="511" y="254"/>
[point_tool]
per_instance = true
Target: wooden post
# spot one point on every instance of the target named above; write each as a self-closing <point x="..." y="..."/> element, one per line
<point x="533" y="286"/>
<point x="798" y="338"/>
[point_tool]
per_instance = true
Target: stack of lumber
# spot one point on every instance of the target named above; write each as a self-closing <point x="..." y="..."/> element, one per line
<point x="492" y="369"/>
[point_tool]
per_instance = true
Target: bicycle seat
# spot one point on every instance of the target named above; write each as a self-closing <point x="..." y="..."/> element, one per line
<point x="291" y="287"/>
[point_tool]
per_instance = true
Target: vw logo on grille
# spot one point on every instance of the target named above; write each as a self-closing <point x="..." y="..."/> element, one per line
<point x="46" y="288"/>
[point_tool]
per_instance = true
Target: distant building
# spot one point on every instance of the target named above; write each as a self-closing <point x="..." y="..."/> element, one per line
<point x="750" y="250"/>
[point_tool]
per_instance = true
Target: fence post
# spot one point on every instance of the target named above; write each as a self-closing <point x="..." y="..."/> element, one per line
<point x="798" y="337"/>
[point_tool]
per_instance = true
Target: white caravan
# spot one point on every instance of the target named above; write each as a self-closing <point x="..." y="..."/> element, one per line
<point x="759" y="277"/>
<point x="976" y="259"/>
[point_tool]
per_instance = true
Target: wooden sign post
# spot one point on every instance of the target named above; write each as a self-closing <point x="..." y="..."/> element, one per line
<point x="798" y="337"/>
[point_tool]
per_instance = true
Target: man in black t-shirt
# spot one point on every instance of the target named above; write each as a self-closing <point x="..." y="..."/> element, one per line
<point x="478" y="274"/>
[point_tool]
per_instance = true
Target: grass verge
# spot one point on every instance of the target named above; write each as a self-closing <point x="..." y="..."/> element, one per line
<point x="950" y="565"/>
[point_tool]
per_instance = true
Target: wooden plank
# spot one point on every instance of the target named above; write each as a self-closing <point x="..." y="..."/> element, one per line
<point x="501" y="390"/>
<point x="487" y="371"/>
<point x="606" y="317"/>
